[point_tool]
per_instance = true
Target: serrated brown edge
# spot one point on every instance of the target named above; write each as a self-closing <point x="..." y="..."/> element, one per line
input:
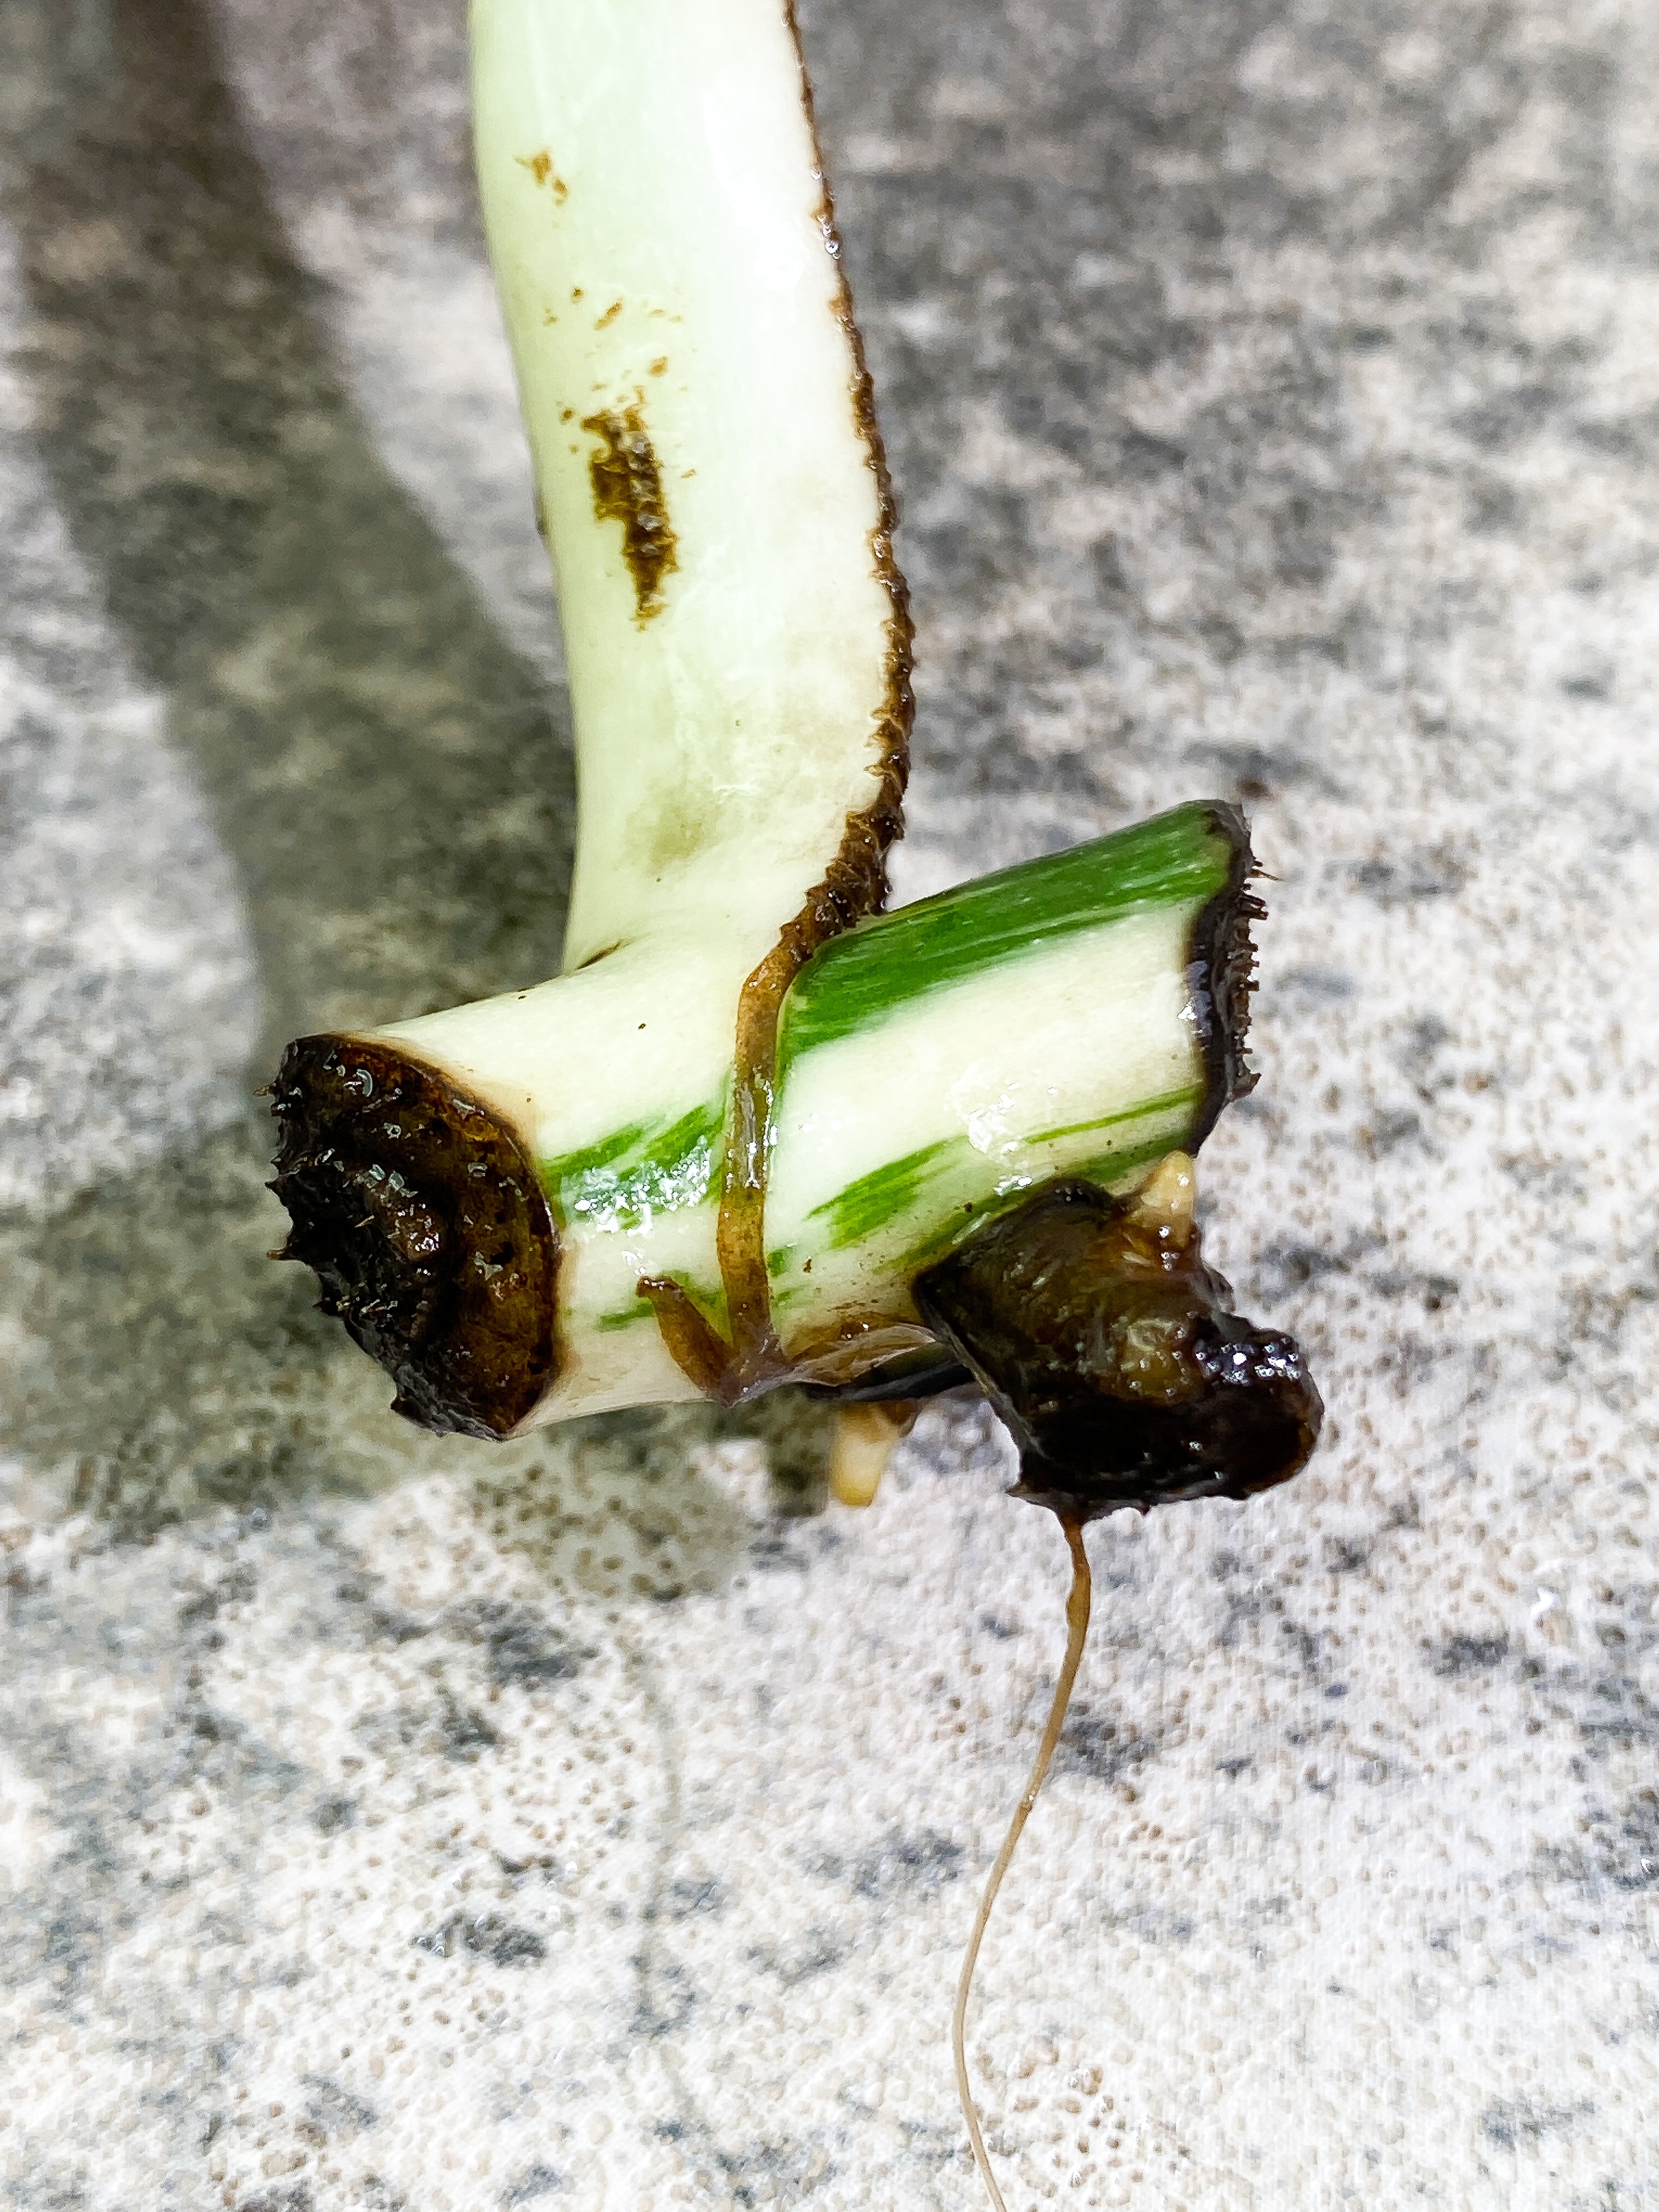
<point x="1221" y="973"/>
<point x="468" y="1328"/>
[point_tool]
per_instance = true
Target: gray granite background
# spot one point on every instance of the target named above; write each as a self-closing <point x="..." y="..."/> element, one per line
<point x="1272" y="391"/>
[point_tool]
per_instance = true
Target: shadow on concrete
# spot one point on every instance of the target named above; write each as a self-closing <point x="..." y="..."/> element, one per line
<point x="393" y="783"/>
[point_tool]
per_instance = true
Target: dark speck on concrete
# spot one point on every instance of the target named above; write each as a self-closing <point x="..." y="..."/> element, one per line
<point x="895" y="1865"/>
<point x="1328" y="984"/>
<point x="465" y="1733"/>
<point x="813" y="1953"/>
<point x="337" y="2112"/>
<point x="1517" y="2123"/>
<point x="1346" y="1555"/>
<point x="485" y="1935"/>
<point x="1103" y="1749"/>
<point x="1462" y="1654"/>
<point x="1433" y="872"/>
<point x="522" y="1649"/>
<point x="536" y="2181"/>
<point x="687" y="1900"/>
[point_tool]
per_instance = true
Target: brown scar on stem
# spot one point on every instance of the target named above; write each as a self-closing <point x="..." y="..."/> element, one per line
<point x="540" y="166"/>
<point x="659" y="367"/>
<point x="628" y="489"/>
<point x="854" y="885"/>
<point x="610" y="315"/>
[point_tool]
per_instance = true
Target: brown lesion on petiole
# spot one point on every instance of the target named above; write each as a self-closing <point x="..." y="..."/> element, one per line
<point x="627" y="484"/>
<point x="540" y="166"/>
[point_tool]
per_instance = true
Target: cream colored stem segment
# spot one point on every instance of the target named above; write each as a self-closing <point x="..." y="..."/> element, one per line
<point x="674" y="301"/>
<point x="1077" y="1629"/>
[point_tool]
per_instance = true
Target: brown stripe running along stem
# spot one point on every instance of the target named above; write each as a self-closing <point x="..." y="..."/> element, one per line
<point x="1077" y="1630"/>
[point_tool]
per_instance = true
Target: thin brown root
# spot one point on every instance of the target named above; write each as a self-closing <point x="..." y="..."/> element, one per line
<point x="1077" y="1628"/>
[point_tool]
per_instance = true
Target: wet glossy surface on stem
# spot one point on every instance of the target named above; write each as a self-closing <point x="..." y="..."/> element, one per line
<point x="1112" y="1356"/>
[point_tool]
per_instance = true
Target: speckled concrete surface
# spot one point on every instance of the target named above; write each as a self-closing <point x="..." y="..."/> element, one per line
<point x="1273" y="394"/>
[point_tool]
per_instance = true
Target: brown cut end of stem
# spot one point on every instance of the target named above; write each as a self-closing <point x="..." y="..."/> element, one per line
<point x="1098" y="1333"/>
<point x="422" y="1215"/>
<point x="1077" y="1630"/>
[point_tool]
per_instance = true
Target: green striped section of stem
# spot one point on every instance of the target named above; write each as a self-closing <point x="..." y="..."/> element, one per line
<point x="934" y="1066"/>
<point x="1181" y="857"/>
<point x="937" y="1197"/>
<point x="709" y="1299"/>
<point x="929" y="1177"/>
<point x="644" y="1169"/>
<point x="1056" y="1019"/>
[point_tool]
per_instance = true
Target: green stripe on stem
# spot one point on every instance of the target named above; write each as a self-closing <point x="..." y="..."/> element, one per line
<point x="1176" y="858"/>
<point x="621" y="1181"/>
<point x="868" y="1204"/>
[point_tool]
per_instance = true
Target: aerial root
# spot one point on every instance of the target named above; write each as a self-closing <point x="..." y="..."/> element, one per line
<point x="1077" y="1629"/>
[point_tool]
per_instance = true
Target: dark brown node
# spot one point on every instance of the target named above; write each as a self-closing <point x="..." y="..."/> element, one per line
<point x="1115" y="1360"/>
<point x="423" y="1217"/>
